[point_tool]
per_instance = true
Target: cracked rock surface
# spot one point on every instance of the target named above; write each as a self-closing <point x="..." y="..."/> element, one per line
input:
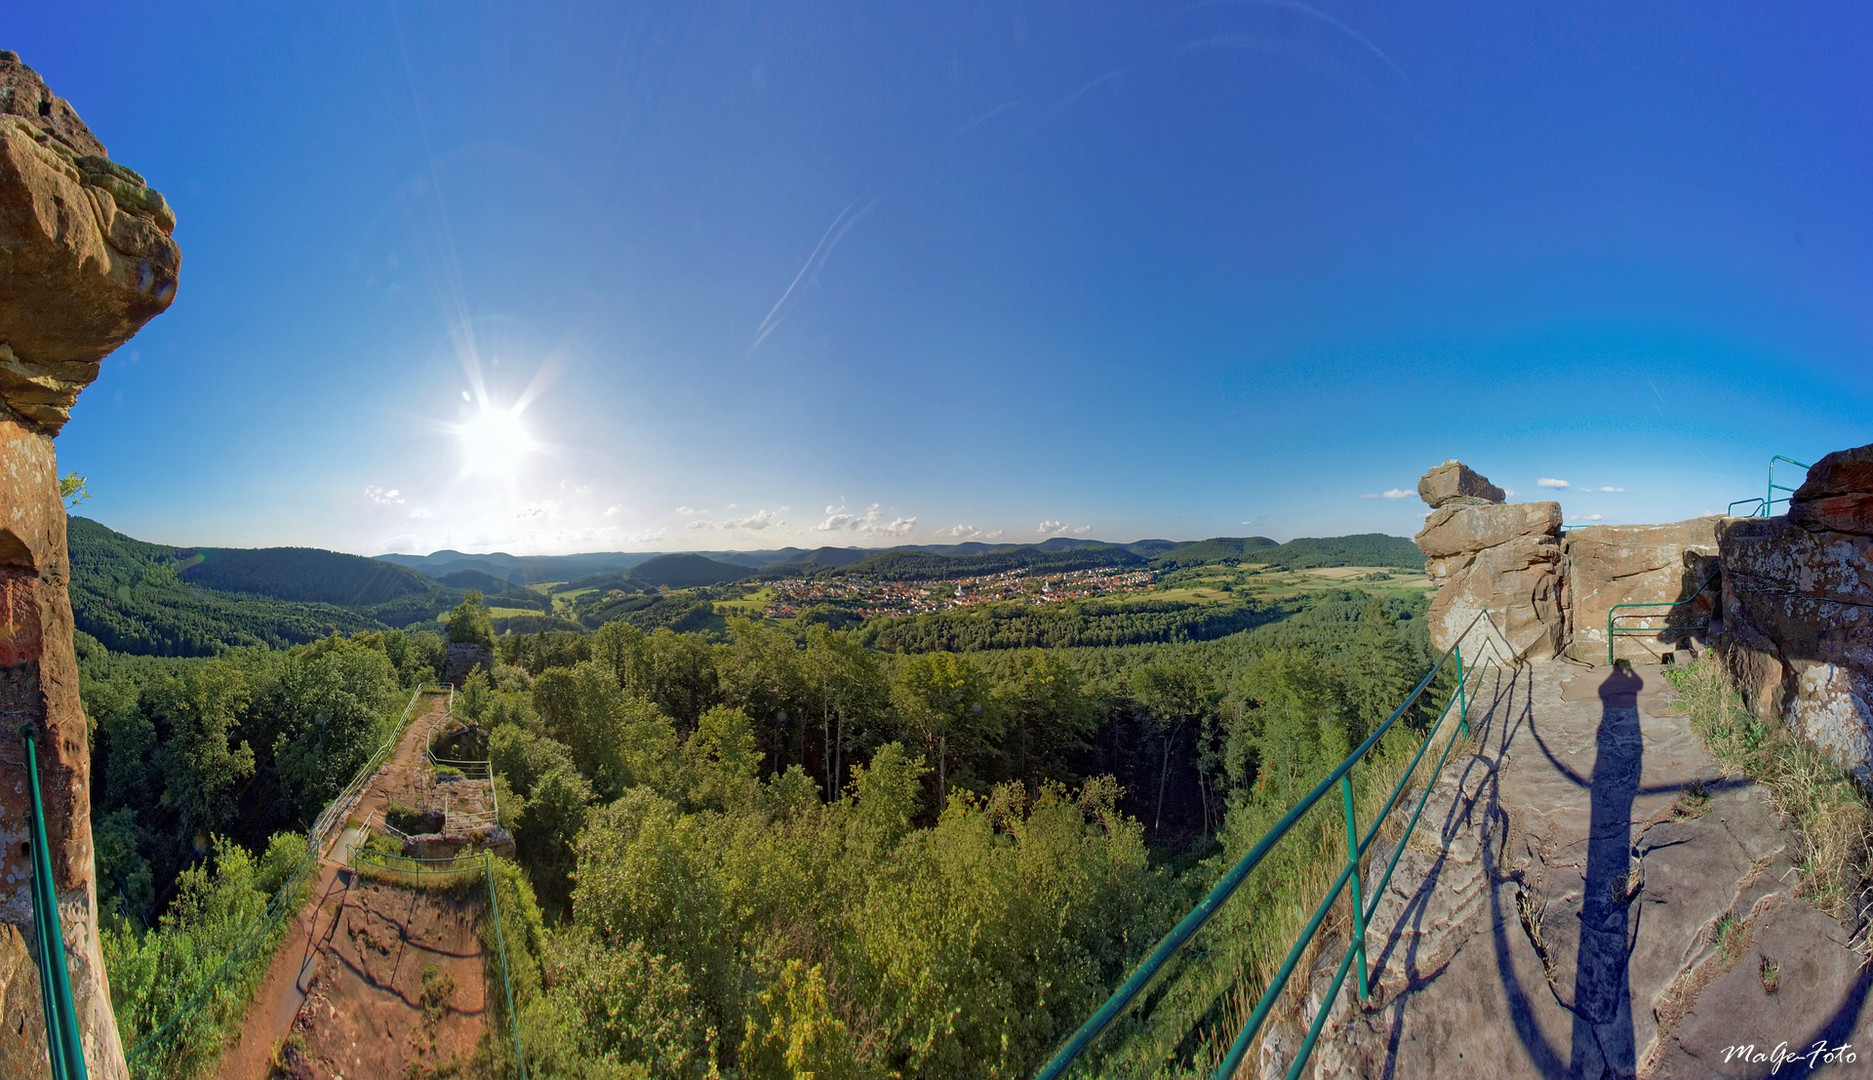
<point x="1589" y="896"/>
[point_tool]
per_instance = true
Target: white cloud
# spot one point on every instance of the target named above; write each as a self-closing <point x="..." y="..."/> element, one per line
<point x="382" y="497"/>
<point x="871" y="521"/>
<point x="689" y="511"/>
<point x="1397" y="493"/>
<point x="613" y="511"/>
<point x="1508" y="493"/>
<point x="1609" y="487"/>
<point x="1550" y="482"/>
<point x="1370" y="495"/>
<point x="422" y="513"/>
<point x="1052" y="528"/>
<point x="970" y="532"/>
<point x="648" y="536"/>
<point x="1588" y="517"/>
<point x="539" y="509"/>
<point x="1082" y="530"/>
<point x="1248" y="523"/>
<point x="755" y="522"/>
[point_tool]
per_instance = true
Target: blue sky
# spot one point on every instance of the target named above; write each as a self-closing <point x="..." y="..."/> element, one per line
<point x="874" y="273"/>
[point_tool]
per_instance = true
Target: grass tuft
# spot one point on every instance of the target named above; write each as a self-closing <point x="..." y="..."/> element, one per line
<point x="1829" y="811"/>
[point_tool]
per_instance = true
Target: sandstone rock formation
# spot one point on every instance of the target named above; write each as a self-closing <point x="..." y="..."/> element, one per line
<point x="1453" y="481"/>
<point x="85" y="252"/>
<point x="85" y="260"/>
<point x="1797" y="618"/>
<point x="1649" y="564"/>
<point x="1481" y="555"/>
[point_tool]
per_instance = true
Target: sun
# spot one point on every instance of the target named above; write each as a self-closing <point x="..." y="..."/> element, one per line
<point x="494" y="442"/>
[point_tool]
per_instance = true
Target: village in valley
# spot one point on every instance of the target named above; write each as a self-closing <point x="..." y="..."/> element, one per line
<point x="866" y="597"/>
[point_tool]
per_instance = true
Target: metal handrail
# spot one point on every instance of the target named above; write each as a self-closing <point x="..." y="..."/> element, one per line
<point x="63" y="1045"/>
<point x="1765" y="506"/>
<point x="1207" y="908"/>
<point x="1632" y="631"/>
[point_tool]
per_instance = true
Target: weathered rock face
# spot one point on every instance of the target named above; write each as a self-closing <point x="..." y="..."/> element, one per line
<point x="85" y="260"/>
<point x="1453" y="481"/>
<point x="1797" y="615"/>
<point x="86" y="256"/>
<point x="462" y="658"/>
<point x="1838" y="494"/>
<point x="1505" y="559"/>
<point x="1640" y="564"/>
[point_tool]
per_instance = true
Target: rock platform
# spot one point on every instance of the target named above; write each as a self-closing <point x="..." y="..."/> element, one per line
<point x="1589" y="895"/>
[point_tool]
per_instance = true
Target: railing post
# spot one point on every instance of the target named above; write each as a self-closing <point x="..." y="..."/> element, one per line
<point x="1359" y="902"/>
<point x="1463" y="706"/>
<point x="63" y="1046"/>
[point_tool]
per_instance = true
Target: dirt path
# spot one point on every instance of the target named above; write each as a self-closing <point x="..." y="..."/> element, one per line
<point x="295" y="966"/>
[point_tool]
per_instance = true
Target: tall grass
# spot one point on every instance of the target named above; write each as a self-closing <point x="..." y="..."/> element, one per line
<point x="1830" y="812"/>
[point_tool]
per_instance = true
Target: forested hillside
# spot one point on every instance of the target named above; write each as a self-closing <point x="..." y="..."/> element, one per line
<point x="128" y="595"/>
<point x="307" y="574"/>
<point x="917" y="848"/>
<point x="157" y="600"/>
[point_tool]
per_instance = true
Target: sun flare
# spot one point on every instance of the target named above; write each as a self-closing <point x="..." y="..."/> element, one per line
<point x="494" y="442"/>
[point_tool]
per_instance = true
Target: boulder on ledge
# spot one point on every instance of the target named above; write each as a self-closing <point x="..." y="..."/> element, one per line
<point x="1455" y="482"/>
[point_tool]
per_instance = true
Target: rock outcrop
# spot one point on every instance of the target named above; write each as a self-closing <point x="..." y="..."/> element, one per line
<point x="1455" y="482"/>
<point x="1640" y="564"/>
<point x="85" y="260"/>
<point x="1485" y="556"/>
<point x="462" y="658"/>
<point x="1797" y="618"/>
<point x="86" y="256"/>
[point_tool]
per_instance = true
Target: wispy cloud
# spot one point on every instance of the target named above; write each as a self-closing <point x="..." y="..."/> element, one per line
<point x="422" y="513"/>
<point x="689" y="511"/>
<point x="873" y="520"/>
<point x="810" y="269"/>
<point x="613" y="511"/>
<point x="755" y="522"/>
<point x="1588" y="517"/>
<point x="383" y="497"/>
<point x="1609" y="487"/>
<point x="1550" y="482"/>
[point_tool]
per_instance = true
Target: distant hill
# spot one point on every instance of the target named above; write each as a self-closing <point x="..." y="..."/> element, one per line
<point x="1362" y="549"/>
<point x="910" y="564"/>
<point x="686" y="571"/>
<point x="521" y="569"/>
<point x="473" y="579"/>
<point x="129" y="595"/>
<point x="1214" y="550"/>
<point x="307" y="574"/>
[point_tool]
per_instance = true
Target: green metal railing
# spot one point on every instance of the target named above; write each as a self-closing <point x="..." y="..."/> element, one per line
<point x="55" y="981"/>
<point x="1362" y="909"/>
<point x="458" y="866"/>
<point x="285" y="900"/>
<point x="1614" y="631"/>
<point x="1765" y="506"/>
